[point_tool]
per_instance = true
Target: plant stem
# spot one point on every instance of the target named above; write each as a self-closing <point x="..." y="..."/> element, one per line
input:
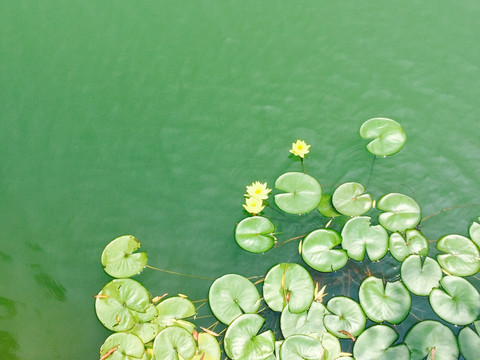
<point x="179" y="274"/>
<point x="291" y="239"/>
<point x="303" y="165"/>
<point x="448" y="209"/>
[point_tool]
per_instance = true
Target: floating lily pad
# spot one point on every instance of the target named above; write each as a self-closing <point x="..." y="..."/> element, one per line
<point x="331" y="346"/>
<point x="326" y="207"/>
<point x="432" y="340"/>
<point x="358" y="235"/>
<point x="118" y="258"/>
<point x="458" y="302"/>
<point x="171" y="311"/>
<point x="475" y="233"/>
<point x="346" y="317"/>
<point x="119" y="302"/>
<point x="302" y="193"/>
<point x="413" y="243"/>
<point x="420" y="277"/>
<point x="301" y="347"/>
<point x="350" y="199"/>
<point x="254" y="234"/>
<point x="174" y="343"/>
<point x="306" y="323"/>
<point x="288" y="284"/>
<point x="388" y="136"/>
<point x="461" y="258"/>
<point x="401" y="212"/>
<point x="232" y="295"/>
<point x="144" y="328"/>
<point x="375" y="344"/>
<point x="122" y="346"/>
<point x="208" y="348"/>
<point x="390" y="302"/>
<point x="469" y="342"/>
<point x="318" y="252"/>
<point x="242" y="342"/>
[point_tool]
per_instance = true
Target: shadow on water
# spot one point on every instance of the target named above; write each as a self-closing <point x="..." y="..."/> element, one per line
<point x="54" y="290"/>
<point x="7" y="309"/>
<point x="8" y="346"/>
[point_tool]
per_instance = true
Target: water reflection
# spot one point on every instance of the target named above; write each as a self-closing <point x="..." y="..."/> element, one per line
<point x="54" y="289"/>
<point x="7" y="308"/>
<point x="8" y="346"/>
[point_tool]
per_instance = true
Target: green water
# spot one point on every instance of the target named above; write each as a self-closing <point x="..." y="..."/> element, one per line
<point x="150" y="117"/>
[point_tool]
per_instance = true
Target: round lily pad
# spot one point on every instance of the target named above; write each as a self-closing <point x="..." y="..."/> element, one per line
<point x="420" y="277"/>
<point x="346" y="317"/>
<point x="122" y="346"/>
<point x="208" y="348"/>
<point x="118" y="258"/>
<point x="401" y="212"/>
<point x="469" y="342"/>
<point x="432" y="340"/>
<point x="388" y="136"/>
<point x="171" y="311"/>
<point x="390" y="302"/>
<point x="326" y="207"/>
<point x="375" y="344"/>
<point x="358" y="235"/>
<point x="319" y="253"/>
<point x="232" y="295"/>
<point x="119" y="302"/>
<point x="475" y="233"/>
<point x="288" y="284"/>
<point x="413" y="243"/>
<point x="458" y="302"/>
<point x="174" y="343"/>
<point x="301" y="347"/>
<point x="332" y="348"/>
<point x="350" y="199"/>
<point x="145" y="329"/>
<point x="461" y="258"/>
<point x="306" y="323"/>
<point x="254" y="234"/>
<point x="302" y="193"/>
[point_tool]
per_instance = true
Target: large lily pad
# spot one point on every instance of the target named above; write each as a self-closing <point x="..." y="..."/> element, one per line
<point x="173" y="310"/>
<point x="302" y="193"/>
<point x="390" y="302"/>
<point x="122" y="346"/>
<point x="461" y="258"/>
<point x="326" y="207"/>
<point x="432" y="340"/>
<point x="301" y="347"/>
<point x="174" y="343"/>
<point x="306" y="323"/>
<point x="318" y="252"/>
<point x="375" y="344"/>
<point x="332" y="347"/>
<point x="254" y="234"/>
<point x="413" y="243"/>
<point x="232" y="295"/>
<point x="475" y="233"/>
<point x="420" y="277"/>
<point x="358" y="235"/>
<point x="208" y="348"/>
<point x="346" y="317"/>
<point x="469" y="342"/>
<point x="458" y="302"/>
<point x="350" y="199"/>
<point x="388" y="136"/>
<point x="401" y="212"/>
<point x="118" y="258"/>
<point x="288" y="285"/>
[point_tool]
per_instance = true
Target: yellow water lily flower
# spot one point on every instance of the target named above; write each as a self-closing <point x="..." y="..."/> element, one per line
<point x="258" y="190"/>
<point x="253" y="205"/>
<point x="300" y="148"/>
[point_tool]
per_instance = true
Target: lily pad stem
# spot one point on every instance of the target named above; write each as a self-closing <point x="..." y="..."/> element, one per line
<point x="303" y="165"/>
<point x="180" y="274"/>
<point x="371" y="170"/>
<point x="291" y="239"/>
<point x="448" y="209"/>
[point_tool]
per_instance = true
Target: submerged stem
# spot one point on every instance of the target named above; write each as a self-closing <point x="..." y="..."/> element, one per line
<point x="291" y="239"/>
<point x="179" y="274"/>
<point x="303" y="165"/>
<point x="448" y="209"/>
<point x="371" y="170"/>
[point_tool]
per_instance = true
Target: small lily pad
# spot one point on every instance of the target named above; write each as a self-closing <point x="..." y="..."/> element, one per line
<point x="375" y="344"/>
<point x="387" y="134"/>
<point x="345" y="317"/>
<point x="232" y="295"/>
<point x="122" y="346"/>
<point x="144" y="328"/>
<point x="118" y="258"/>
<point x="301" y="347"/>
<point x="420" y="277"/>
<point x="469" y="342"/>
<point x="358" y="235"/>
<point x="174" y="343"/>
<point x="326" y="207"/>
<point x="288" y="285"/>
<point x="401" y="212"/>
<point x="171" y="311"/>
<point x="306" y="323"/>
<point x="413" y="243"/>
<point x="302" y="193"/>
<point x="461" y="258"/>
<point x="475" y="233"/>
<point x="208" y="348"/>
<point x="350" y="199"/>
<point x="458" y="302"/>
<point x="332" y="347"/>
<point x="254" y="234"/>
<point x="319" y="253"/>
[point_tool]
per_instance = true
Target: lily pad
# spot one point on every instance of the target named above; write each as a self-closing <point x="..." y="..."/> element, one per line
<point x="458" y="302"/>
<point x="288" y="284"/>
<point x="208" y="348"/>
<point x="306" y="323"/>
<point x="461" y="258"/>
<point x="345" y="317"/>
<point x="174" y="343"/>
<point x="469" y="342"/>
<point x="254" y="234"/>
<point x="433" y="340"/>
<point x="232" y="295"/>
<point x="388" y="136"/>
<point x="144" y="328"/>
<point x="390" y="302"/>
<point x="413" y="243"/>
<point x="358" y="235"/>
<point x="331" y="346"/>
<point x="318" y="252"/>
<point x="326" y="207"/>
<point x="375" y="344"/>
<point x="302" y="193"/>
<point x="119" y="302"/>
<point x="350" y="199"/>
<point x="242" y="342"/>
<point x="420" y="277"/>
<point x="301" y="347"/>
<point x="475" y="233"/>
<point x="118" y="258"/>
<point x="122" y="346"/>
<point x="171" y="311"/>
<point x="401" y="212"/>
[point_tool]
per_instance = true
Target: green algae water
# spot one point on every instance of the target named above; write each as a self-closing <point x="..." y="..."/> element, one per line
<point x="149" y="118"/>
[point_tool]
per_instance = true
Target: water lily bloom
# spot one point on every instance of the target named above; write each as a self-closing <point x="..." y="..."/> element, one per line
<point x="300" y="148"/>
<point x="258" y="190"/>
<point x="253" y="205"/>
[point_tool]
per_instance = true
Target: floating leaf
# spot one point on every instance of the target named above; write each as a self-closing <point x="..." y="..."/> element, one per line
<point x="174" y="343"/>
<point x="420" y="277"/>
<point x="332" y="347"/>
<point x="469" y="342"/>
<point x="475" y="233"/>
<point x="318" y="252"/>
<point x="232" y="295"/>
<point x="413" y="243"/>
<point x="326" y="207"/>
<point x="301" y="347"/>
<point x="461" y="258"/>
<point x="254" y="234"/>
<point x="208" y="348"/>
<point x="122" y="346"/>
<point x="350" y="199"/>
<point x="144" y="328"/>
<point x="306" y="323"/>
<point x="302" y="193"/>
<point x="433" y="340"/>
<point x="458" y="302"/>
<point x="118" y="259"/>
<point x="388" y="136"/>
<point x="374" y="344"/>
<point x="346" y="317"/>
<point x="358" y="235"/>
<point x="390" y="302"/>
<point x="288" y="284"/>
<point x="401" y="212"/>
<point x="171" y="311"/>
